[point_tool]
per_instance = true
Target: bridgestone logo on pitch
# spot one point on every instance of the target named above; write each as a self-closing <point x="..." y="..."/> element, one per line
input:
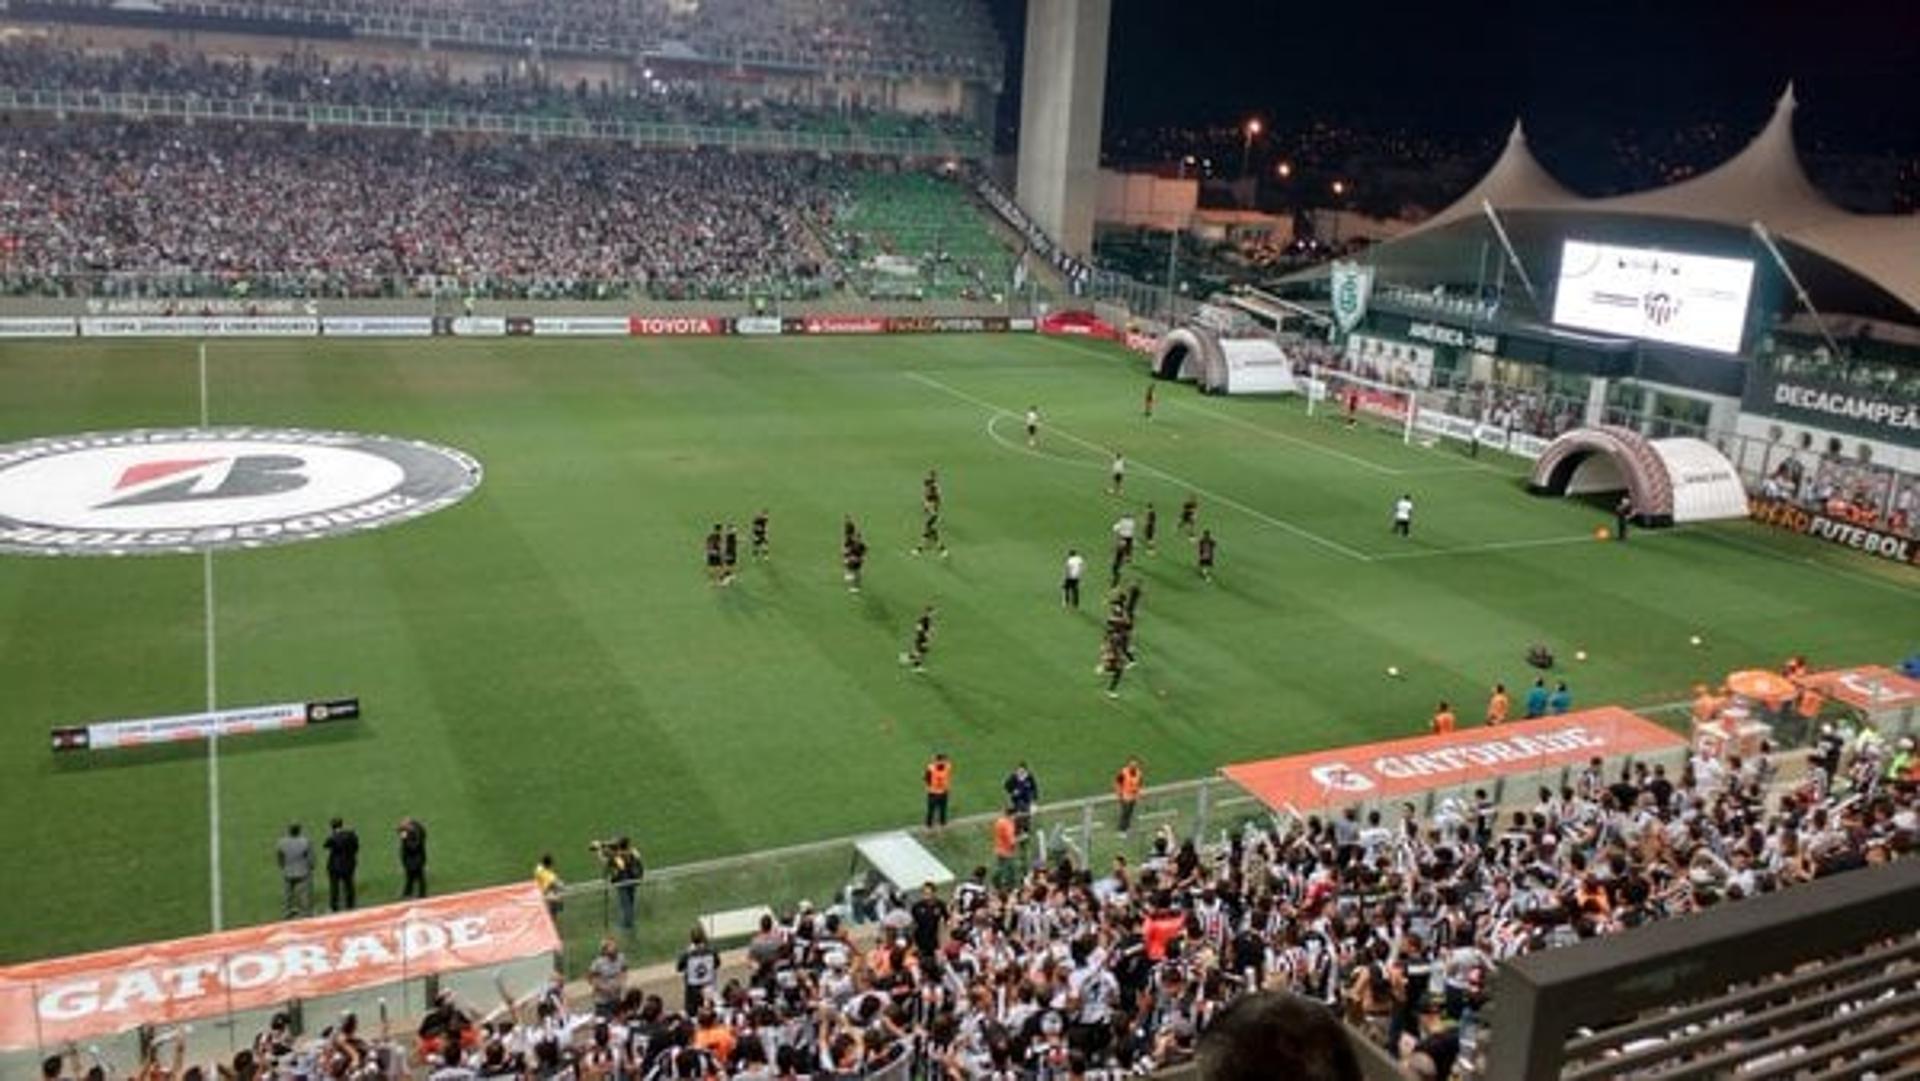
<point x="190" y="489"/>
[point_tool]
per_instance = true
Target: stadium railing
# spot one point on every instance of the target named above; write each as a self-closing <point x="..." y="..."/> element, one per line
<point x="198" y="109"/>
<point x="829" y="875"/>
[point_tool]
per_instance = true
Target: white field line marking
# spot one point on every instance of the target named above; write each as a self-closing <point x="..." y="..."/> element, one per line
<point x="1364" y="463"/>
<point x="214" y="886"/>
<point x="1242" y="422"/>
<point x="995" y="435"/>
<point x="1491" y="546"/>
<point x="1278" y="523"/>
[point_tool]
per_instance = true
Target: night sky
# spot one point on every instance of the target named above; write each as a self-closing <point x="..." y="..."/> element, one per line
<point x="1467" y="70"/>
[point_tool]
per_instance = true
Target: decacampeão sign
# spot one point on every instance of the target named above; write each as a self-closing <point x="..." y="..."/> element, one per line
<point x="161" y="490"/>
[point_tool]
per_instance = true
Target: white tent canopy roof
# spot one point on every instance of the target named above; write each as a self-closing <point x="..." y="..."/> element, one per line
<point x="1763" y="183"/>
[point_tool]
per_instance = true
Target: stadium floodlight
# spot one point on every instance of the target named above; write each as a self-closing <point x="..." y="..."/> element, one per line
<point x="1799" y="291"/>
<point x="1506" y="245"/>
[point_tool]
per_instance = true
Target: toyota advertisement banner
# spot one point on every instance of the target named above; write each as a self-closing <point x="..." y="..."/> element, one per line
<point x="674" y="326"/>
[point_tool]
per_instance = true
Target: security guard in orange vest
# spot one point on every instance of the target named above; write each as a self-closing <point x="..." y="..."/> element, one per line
<point x="939" y="781"/>
<point x="1126" y="787"/>
<point x="1499" y="705"/>
<point x="1443" y="720"/>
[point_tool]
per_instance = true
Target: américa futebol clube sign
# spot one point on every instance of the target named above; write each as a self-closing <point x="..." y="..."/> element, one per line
<point x="153" y="491"/>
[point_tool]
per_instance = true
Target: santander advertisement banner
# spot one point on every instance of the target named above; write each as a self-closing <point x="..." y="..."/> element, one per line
<point x="49" y="1003"/>
<point x="1081" y="324"/>
<point x="1404" y="767"/>
<point x="845" y="324"/>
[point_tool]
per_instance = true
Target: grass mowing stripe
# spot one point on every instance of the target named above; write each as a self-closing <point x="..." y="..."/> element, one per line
<point x="216" y="915"/>
<point x="1259" y="515"/>
<point x="1491" y="546"/>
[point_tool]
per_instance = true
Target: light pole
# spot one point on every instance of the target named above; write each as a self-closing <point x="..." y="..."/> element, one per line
<point x="1339" y="203"/>
<point x="1246" y="147"/>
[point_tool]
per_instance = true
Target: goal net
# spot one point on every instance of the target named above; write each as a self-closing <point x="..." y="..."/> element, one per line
<point x="1353" y="399"/>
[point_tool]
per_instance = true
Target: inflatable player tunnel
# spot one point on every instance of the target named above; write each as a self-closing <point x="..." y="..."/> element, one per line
<point x="1670" y="481"/>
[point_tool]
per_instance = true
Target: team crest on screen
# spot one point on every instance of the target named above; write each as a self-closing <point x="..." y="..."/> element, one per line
<point x="153" y="491"/>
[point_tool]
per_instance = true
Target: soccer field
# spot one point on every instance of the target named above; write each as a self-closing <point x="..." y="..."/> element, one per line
<point x="546" y="662"/>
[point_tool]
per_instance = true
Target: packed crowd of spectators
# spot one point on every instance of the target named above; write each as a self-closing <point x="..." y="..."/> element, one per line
<point x="309" y="78"/>
<point x="1850" y="491"/>
<point x="384" y="213"/>
<point x="1394" y="920"/>
<point x="940" y="37"/>
<point x="1816" y="364"/>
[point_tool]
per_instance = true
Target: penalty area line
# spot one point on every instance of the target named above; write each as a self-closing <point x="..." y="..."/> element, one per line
<point x="1227" y="501"/>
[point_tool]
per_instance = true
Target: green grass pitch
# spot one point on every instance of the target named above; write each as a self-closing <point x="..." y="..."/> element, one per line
<point x="546" y="662"/>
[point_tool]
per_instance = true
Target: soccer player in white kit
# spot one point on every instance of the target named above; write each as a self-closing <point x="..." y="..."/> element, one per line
<point x="1403" y="516"/>
<point x="1119" y="472"/>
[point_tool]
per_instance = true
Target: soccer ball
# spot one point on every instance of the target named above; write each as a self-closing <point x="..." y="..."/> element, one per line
<point x="1393" y="671"/>
<point x="1694" y="641"/>
<point x="1579" y="654"/>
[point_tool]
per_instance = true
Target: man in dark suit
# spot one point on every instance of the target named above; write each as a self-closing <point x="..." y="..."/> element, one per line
<point x="343" y="858"/>
<point x="413" y="858"/>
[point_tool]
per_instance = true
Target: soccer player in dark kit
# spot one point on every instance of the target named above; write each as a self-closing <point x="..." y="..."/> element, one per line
<point x="729" y="554"/>
<point x="713" y="554"/>
<point x="758" y="535"/>
<point x="916" y="654"/>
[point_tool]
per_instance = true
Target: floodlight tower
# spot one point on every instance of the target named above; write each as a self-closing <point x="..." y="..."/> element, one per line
<point x="1062" y="88"/>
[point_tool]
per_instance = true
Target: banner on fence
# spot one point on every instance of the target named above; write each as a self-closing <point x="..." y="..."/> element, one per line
<point x="42" y="327"/>
<point x="757" y="324"/>
<point x="200" y="326"/>
<point x="581" y="326"/>
<point x="377" y="326"/>
<point x="657" y="326"/>
<point x="1404" y="767"/>
<point x="472" y="326"/>
<point x="1079" y="324"/>
<point x="844" y="324"/>
<point x="48" y="1004"/>
<point x="1797" y="519"/>
<point x="947" y="324"/>
<point x="1461" y="429"/>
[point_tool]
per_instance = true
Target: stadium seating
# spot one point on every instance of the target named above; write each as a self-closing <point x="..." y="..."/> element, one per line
<point x="907" y="235"/>
<point x="156" y="209"/>
<point x="932" y="37"/>
<point x="312" y="79"/>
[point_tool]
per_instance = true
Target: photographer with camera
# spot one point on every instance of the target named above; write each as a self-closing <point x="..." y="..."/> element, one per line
<point x="620" y="861"/>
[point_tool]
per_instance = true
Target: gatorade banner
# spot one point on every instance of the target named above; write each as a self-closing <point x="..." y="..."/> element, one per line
<point x="1405" y="767"/>
<point x="47" y="1004"/>
<point x="1872" y="688"/>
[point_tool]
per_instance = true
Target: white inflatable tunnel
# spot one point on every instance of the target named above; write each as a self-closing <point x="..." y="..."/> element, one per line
<point x="1669" y="480"/>
<point x="1224" y="365"/>
<point x="1705" y="485"/>
<point x="1191" y="355"/>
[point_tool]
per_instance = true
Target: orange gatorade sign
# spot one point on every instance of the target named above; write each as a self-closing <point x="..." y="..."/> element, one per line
<point x="49" y="1003"/>
<point x="1871" y="688"/>
<point x="1402" y="767"/>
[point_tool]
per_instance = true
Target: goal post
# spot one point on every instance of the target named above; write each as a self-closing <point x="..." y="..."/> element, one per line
<point x="1346" y="394"/>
